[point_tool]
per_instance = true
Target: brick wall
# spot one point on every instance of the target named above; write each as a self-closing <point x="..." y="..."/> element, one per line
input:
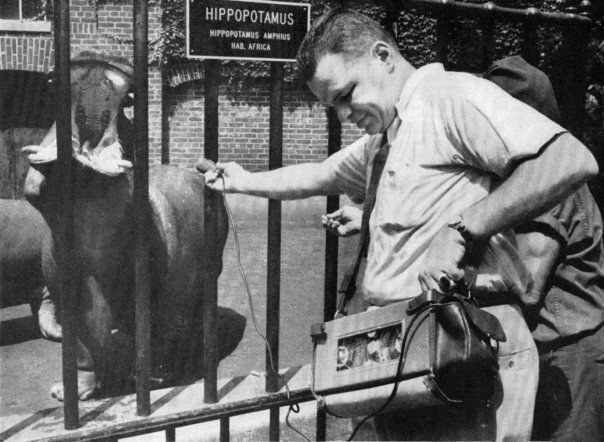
<point x="244" y="127"/>
<point x="244" y="115"/>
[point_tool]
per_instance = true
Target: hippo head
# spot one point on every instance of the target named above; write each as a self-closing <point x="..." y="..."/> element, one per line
<point x="100" y="87"/>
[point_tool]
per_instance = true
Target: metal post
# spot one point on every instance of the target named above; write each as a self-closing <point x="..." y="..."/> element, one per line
<point x="65" y="224"/>
<point x="165" y="117"/>
<point x="225" y="430"/>
<point x="443" y="29"/>
<point x="575" y="42"/>
<point x="530" y="51"/>
<point x="141" y="207"/>
<point x="273" y="275"/>
<point x="171" y="434"/>
<point x="488" y="41"/>
<point x="210" y="290"/>
<point x="334" y="142"/>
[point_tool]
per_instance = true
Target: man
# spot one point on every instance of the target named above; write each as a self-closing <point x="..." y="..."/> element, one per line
<point x="449" y="134"/>
<point x="565" y="306"/>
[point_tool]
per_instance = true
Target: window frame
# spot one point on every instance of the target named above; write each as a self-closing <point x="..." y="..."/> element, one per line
<point x="24" y="25"/>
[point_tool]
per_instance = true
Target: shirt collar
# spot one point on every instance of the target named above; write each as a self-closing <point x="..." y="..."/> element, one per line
<point x="413" y="82"/>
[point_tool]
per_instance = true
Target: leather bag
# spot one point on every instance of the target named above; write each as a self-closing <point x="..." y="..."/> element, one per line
<point x="449" y="350"/>
<point x="463" y="347"/>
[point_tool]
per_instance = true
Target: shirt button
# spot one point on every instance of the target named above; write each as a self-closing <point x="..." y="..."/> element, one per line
<point x="510" y="363"/>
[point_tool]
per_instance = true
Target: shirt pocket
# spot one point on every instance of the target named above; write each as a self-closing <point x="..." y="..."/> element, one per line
<point x="403" y="200"/>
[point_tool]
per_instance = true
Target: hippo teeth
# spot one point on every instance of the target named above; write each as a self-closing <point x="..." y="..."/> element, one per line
<point x="108" y="161"/>
<point x="41" y="154"/>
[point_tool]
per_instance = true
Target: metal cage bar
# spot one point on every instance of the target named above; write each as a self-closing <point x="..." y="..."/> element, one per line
<point x="273" y="274"/>
<point x="334" y="143"/>
<point x="453" y="7"/>
<point x="65" y="239"/>
<point x="210" y="289"/>
<point x="141" y="208"/>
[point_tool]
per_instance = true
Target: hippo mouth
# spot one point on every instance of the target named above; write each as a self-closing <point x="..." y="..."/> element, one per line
<point x="99" y="90"/>
<point x="107" y="160"/>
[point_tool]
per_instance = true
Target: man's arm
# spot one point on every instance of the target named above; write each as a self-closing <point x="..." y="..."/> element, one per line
<point x="290" y="182"/>
<point x="541" y="254"/>
<point x="533" y="187"/>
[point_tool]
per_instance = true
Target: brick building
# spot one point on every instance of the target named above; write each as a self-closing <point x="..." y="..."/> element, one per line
<point x="244" y="114"/>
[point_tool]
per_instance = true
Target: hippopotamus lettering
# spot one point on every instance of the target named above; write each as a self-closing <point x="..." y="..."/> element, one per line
<point x="104" y="234"/>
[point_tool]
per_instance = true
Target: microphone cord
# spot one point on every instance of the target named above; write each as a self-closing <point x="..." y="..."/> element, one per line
<point x="292" y="406"/>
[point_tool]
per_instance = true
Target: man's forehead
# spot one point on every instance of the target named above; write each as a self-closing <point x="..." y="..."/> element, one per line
<point x="330" y="74"/>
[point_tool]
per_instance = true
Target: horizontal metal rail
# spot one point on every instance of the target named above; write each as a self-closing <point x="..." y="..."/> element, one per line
<point x="207" y="413"/>
<point x="493" y="10"/>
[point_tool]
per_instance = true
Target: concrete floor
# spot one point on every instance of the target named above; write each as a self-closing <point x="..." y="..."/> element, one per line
<point x="29" y="365"/>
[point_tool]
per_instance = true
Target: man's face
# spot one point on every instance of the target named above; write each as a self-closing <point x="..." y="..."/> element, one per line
<point x="360" y="90"/>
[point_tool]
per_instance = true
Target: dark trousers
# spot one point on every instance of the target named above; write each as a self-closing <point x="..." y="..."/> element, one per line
<point x="570" y="395"/>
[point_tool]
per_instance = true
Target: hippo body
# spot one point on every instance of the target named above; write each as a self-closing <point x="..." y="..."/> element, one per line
<point x="22" y="233"/>
<point x="104" y="238"/>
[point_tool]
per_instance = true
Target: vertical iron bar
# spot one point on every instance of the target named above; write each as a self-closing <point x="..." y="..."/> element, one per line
<point x="65" y="234"/>
<point x="488" y="42"/>
<point x="443" y="25"/>
<point x="273" y="274"/>
<point x="171" y="434"/>
<point x="141" y="208"/>
<point x="225" y="430"/>
<point x="575" y="42"/>
<point x="210" y="289"/>
<point x="165" y="117"/>
<point x="334" y="142"/>
<point x="530" y="50"/>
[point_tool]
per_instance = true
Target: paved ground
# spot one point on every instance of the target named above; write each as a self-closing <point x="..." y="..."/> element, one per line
<point x="29" y="365"/>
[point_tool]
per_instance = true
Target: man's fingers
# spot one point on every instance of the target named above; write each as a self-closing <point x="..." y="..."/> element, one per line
<point x="337" y="214"/>
<point x="204" y="165"/>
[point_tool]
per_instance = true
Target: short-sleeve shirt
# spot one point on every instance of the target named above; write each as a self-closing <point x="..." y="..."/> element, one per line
<point x="453" y="134"/>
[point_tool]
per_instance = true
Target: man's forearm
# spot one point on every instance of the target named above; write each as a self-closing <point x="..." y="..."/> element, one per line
<point x="533" y="187"/>
<point x="291" y="182"/>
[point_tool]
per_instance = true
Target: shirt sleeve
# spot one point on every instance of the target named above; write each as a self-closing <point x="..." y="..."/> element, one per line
<point x="547" y="224"/>
<point x="348" y="168"/>
<point x="490" y="129"/>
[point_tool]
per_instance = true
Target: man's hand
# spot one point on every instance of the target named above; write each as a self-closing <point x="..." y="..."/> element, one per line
<point x="222" y="177"/>
<point x="442" y="266"/>
<point x="346" y="221"/>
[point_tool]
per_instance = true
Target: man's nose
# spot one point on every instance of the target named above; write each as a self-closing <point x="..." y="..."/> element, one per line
<point x="343" y="111"/>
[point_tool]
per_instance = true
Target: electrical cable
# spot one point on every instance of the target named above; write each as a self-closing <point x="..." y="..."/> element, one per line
<point x="292" y="406"/>
<point x="399" y="370"/>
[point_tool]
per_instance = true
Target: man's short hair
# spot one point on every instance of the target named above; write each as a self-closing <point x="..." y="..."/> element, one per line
<point x="338" y="31"/>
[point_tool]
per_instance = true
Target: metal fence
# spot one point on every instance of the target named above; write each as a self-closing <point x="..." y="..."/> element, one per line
<point x="571" y="90"/>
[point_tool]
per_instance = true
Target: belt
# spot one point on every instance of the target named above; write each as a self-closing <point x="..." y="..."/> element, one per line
<point x="482" y="300"/>
<point x="492" y="299"/>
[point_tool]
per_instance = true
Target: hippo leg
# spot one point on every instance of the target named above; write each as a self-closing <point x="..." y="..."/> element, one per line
<point x="44" y="308"/>
<point x="86" y="386"/>
<point x="94" y="351"/>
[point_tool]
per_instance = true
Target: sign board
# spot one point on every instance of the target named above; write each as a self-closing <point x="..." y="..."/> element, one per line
<point x="245" y="30"/>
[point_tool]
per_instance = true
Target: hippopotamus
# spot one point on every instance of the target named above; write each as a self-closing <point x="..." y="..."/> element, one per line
<point x="23" y="234"/>
<point x="103" y="241"/>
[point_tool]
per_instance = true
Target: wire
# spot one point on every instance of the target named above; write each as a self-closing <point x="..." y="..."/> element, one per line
<point x="399" y="370"/>
<point x="292" y="405"/>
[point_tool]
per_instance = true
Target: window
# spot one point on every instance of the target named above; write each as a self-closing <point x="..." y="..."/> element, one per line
<point x="25" y="15"/>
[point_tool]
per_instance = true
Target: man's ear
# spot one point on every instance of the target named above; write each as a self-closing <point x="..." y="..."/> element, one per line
<point x="383" y="51"/>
